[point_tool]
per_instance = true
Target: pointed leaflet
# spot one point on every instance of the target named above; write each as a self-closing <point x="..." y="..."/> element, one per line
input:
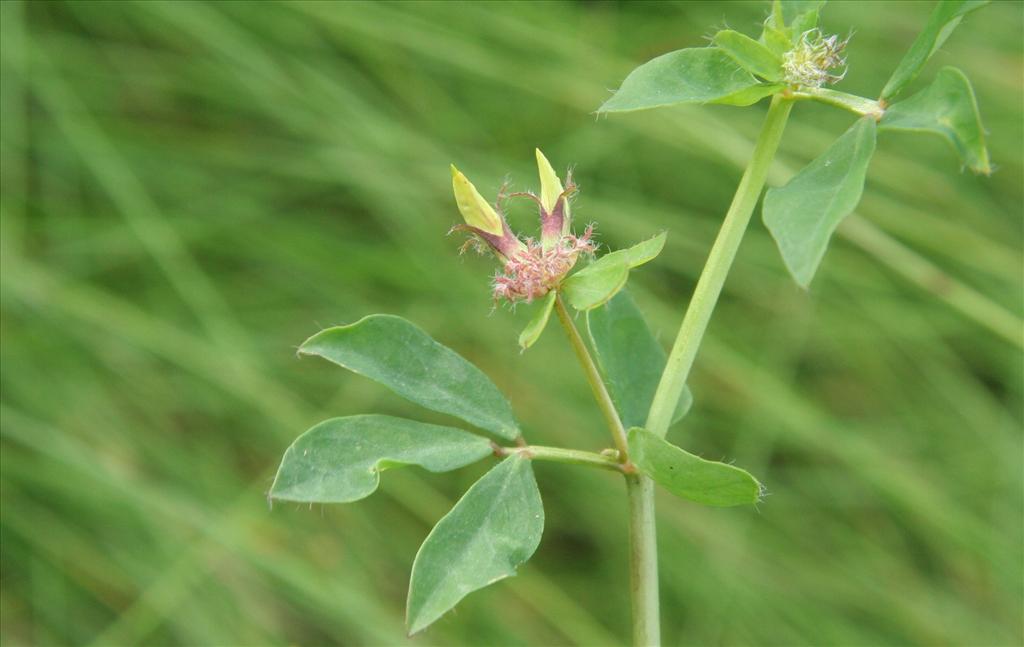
<point x="602" y="279"/>
<point x="691" y="477"/>
<point x="787" y="22"/>
<point x="495" y="527"/>
<point x="803" y="214"/>
<point x="630" y="358"/>
<point x="944" y="19"/>
<point x="798" y="15"/>
<point x="402" y="357"/>
<point x="750" y="54"/>
<point x="340" y="460"/>
<point x="536" y="326"/>
<point x="947" y="108"/>
<point x="695" y="75"/>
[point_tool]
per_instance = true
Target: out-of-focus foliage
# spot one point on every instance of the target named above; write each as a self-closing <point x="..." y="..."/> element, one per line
<point x="190" y="190"/>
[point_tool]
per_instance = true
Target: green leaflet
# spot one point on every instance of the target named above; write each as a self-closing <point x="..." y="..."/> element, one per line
<point x="402" y="357"/>
<point x="798" y="15"/>
<point x="802" y="215"/>
<point x="750" y="54"/>
<point x="602" y="279"/>
<point x="340" y="460"/>
<point x="947" y="108"/>
<point x="694" y="75"/>
<point x="943" y="20"/>
<point x="494" y="527"/>
<point x="630" y="358"/>
<point x="536" y="326"/>
<point x="691" y="477"/>
<point x="788" y="20"/>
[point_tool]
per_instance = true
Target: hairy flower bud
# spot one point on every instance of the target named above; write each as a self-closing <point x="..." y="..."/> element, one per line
<point x="808" y="64"/>
<point x="482" y="219"/>
<point x="530" y="269"/>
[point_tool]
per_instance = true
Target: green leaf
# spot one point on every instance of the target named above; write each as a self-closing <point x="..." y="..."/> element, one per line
<point x="750" y="54"/>
<point x="402" y="357"/>
<point x="800" y="15"/>
<point x="536" y="326"/>
<point x="947" y="108"/>
<point x="602" y="279"/>
<point x="495" y="527"/>
<point x="641" y="253"/>
<point x="789" y="20"/>
<point x="776" y="39"/>
<point x="597" y="282"/>
<point x="943" y="20"/>
<point x="630" y="359"/>
<point x="751" y="95"/>
<point x="340" y="460"/>
<point x="803" y="214"/>
<point x="695" y="75"/>
<point x="691" y="477"/>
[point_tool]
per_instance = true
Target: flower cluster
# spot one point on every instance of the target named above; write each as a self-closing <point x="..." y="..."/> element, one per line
<point x="533" y="272"/>
<point x="809" y="63"/>
<point x="530" y="268"/>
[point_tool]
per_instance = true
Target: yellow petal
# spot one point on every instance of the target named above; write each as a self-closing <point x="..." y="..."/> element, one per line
<point x="476" y="211"/>
<point x="550" y="185"/>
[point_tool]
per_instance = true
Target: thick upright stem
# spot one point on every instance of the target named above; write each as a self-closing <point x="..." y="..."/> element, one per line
<point x="709" y="286"/>
<point x="643" y="544"/>
<point x="643" y="562"/>
<point x="604" y="400"/>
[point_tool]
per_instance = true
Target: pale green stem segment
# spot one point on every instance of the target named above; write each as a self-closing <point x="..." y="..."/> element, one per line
<point x="604" y="400"/>
<point x="855" y="104"/>
<point x="562" y="455"/>
<point x="643" y="547"/>
<point x="709" y="286"/>
<point x="643" y="562"/>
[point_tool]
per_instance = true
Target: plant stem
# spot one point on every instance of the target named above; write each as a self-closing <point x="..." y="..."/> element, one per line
<point x="643" y="567"/>
<point x="562" y="455"/>
<point x="604" y="401"/>
<point x="709" y="286"/>
<point x="643" y="562"/>
<point x="855" y="104"/>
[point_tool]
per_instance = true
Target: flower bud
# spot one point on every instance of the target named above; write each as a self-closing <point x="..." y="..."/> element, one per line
<point x="476" y="211"/>
<point x="554" y="203"/>
<point x="482" y="219"/>
<point x="531" y="269"/>
<point x="809" y="63"/>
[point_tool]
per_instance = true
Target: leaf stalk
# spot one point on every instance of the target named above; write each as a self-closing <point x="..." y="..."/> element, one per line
<point x="564" y="455"/>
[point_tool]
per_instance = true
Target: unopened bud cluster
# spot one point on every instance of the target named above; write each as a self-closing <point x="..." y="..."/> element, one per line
<point x="810" y="62"/>
<point x="531" y="268"/>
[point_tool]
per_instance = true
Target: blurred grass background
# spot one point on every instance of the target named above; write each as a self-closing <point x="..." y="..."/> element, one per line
<point x="191" y="189"/>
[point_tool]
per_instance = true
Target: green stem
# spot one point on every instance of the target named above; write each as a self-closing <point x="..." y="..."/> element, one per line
<point x="643" y="543"/>
<point x="643" y="562"/>
<point x="709" y="286"/>
<point x="604" y="401"/>
<point x="563" y="455"/>
<point x="855" y="104"/>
